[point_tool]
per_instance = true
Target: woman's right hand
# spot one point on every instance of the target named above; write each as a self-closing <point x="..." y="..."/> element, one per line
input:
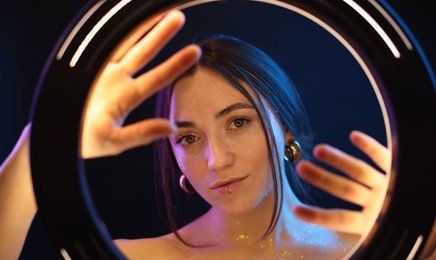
<point x="116" y="92"/>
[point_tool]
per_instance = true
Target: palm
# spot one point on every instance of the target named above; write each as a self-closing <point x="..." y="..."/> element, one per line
<point x="117" y="92"/>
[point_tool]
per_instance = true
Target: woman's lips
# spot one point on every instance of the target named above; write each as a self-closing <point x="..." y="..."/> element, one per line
<point x="227" y="186"/>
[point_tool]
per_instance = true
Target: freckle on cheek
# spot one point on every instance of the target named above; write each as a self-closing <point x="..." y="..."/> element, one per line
<point x="251" y="144"/>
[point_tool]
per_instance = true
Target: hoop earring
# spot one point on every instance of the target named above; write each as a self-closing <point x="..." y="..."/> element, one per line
<point x="293" y="152"/>
<point x="182" y="183"/>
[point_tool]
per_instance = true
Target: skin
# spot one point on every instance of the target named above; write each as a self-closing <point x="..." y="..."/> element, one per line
<point x="16" y="186"/>
<point x="219" y="141"/>
<point x="308" y="231"/>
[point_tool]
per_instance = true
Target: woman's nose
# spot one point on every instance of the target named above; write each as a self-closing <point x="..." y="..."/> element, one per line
<point x="218" y="155"/>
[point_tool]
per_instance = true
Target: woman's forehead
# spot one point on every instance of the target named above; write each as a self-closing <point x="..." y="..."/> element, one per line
<point x="205" y="88"/>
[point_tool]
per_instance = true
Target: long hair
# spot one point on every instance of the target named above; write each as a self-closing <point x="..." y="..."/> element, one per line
<point x="239" y="62"/>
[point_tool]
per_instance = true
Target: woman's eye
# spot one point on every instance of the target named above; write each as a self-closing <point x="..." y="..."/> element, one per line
<point x="238" y="123"/>
<point x="186" y="140"/>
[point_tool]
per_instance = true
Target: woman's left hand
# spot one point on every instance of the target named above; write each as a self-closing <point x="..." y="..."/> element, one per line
<point x="365" y="186"/>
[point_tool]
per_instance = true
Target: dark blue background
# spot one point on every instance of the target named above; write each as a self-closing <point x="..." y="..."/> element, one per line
<point x="29" y="30"/>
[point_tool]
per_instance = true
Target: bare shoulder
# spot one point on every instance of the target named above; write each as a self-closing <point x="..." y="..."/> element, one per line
<point x="164" y="247"/>
<point x="323" y="243"/>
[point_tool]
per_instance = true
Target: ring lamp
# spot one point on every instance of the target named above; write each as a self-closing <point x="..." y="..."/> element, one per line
<point x="370" y="30"/>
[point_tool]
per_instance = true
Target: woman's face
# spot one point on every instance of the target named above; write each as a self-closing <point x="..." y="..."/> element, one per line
<point x="220" y="144"/>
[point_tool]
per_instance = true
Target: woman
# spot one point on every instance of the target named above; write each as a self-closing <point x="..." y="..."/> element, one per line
<point x="230" y="147"/>
<point x="223" y="108"/>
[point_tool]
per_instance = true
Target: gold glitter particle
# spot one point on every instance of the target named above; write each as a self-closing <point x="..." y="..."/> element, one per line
<point x="241" y="237"/>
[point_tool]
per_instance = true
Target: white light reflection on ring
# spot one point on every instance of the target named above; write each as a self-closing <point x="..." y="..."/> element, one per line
<point x="76" y="29"/>
<point x="415" y="248"/>
<point x="95" y="29"/>
<point x="65" y="254"/>
<point x="393" y="23"/>
<point x="376" y="27"/>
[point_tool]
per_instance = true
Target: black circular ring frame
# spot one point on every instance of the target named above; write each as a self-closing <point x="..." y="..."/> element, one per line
<point x="370" y="29"/>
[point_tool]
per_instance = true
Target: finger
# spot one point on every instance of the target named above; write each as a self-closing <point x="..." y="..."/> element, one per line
<point x="337" y="219"/>
<point x="335" y="185"/>
<point x="353" y="167"/>
<point x="378" y="153"/>
<point x="139" y="134"/>
<point x="147" y="48"/>
<point x="160" y="76"/>
<point x="134" y="37"/>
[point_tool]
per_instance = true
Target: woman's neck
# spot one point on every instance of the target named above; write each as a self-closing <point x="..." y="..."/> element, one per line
<point x="249" y="229"/>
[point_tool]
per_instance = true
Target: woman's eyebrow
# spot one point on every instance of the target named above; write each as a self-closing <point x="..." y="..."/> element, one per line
<point x="184" y="124"/>
<point x="221" y="113"/>
<point x="232" y="108"/>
